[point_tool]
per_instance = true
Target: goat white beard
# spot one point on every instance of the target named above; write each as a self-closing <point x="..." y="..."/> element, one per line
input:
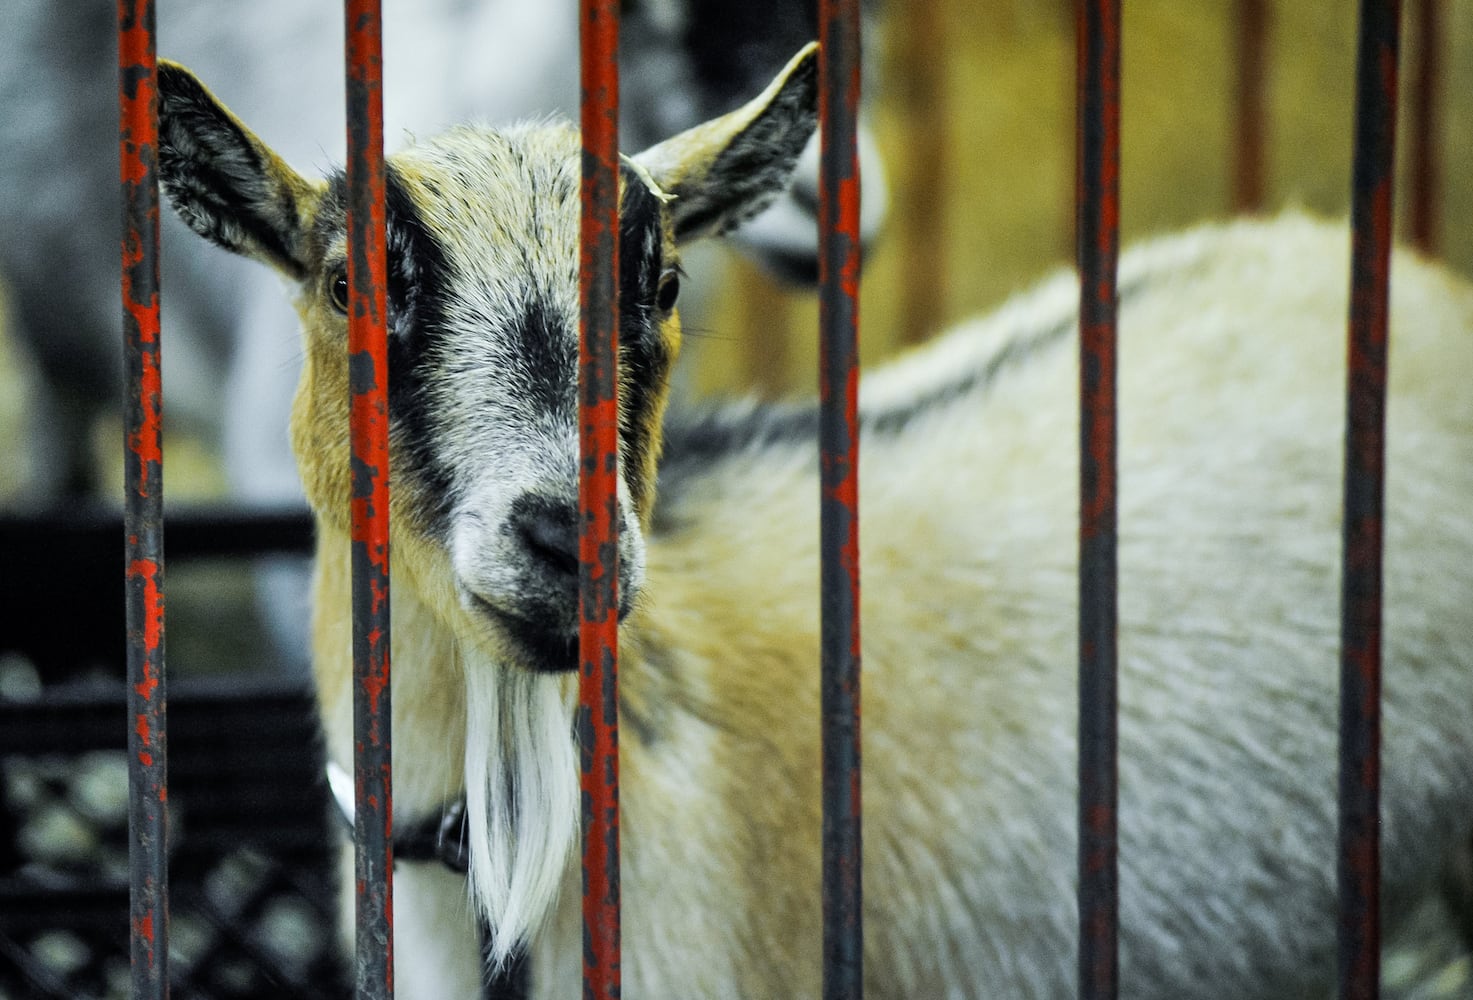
<point x="522" y="782"/>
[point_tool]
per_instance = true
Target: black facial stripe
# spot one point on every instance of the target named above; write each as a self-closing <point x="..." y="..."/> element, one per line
<point x="643" y="369"/>
<point x="543" y="357"/>
<point x="640" y="250"/>
<point x="416" y="261"/>
<point x="645" y="356"/>
<point x="417" y="274"/>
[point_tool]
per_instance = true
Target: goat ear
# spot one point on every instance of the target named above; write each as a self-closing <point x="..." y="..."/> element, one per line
<point x="727" y="170"/>
<point x="226" y="184"/>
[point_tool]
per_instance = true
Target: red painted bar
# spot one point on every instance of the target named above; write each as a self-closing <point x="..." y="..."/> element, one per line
<point x="1249" y="112"/>
<point x="1365" y="465"/>
<point x="143" y="512"/>
<point x="598" y="509"/>
<point x="1426" y="125"/>
<point x="838" y="320"/>
<point x="1098" y="200"/>
<point x="368" y="367"/>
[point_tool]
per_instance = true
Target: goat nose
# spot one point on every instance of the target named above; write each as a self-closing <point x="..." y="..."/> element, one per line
<point x="549" y="530"/>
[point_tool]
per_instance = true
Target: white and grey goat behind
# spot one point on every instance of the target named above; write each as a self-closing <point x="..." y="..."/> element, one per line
<point x="1231" y="415"/>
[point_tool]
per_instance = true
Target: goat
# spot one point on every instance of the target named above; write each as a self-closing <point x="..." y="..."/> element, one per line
<point x="445" y="60"/>
<point x="1231" y="409"/>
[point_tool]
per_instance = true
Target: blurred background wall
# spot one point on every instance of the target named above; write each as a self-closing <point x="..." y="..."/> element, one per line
<point x="976" y="114"/>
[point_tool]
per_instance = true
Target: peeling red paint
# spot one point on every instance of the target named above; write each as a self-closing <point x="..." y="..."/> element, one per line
<point x="143" y="501"/>
<point x="148" y="571"/>
<point x="598" y="711"/>
<point x="146" y="443"/>
<point x="369" y="434"/>
<point x="373" y="685"/>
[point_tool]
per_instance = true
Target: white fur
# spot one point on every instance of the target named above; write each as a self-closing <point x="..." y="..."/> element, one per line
<point x="521" y="779"/>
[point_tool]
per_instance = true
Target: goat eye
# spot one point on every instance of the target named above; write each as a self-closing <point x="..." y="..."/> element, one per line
<point x="338" y="291"/>
<point x="668" y="292"/>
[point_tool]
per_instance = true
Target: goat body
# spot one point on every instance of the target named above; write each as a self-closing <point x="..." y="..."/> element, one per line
<point x="1231" y="416"/>
<point x="1231" y="436"/>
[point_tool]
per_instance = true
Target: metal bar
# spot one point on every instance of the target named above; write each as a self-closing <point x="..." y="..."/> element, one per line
<point x="369" y="383"/>
<point x="143" y="515"/>
<point x="1098" y="200"/>
<point x="838" y="319"/>
<point x="1365" y="463"/>
<point x="598" y="510"/>
<point x="1426" y="125"/>
<point x="1249" y="112"/>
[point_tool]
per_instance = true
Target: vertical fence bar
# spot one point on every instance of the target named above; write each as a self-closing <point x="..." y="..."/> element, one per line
<point x="1249" y="112"/>
<point x="1365" y="464"/>
<point x="838" y="311"/>
<point x="1098" y="199"/>
<point x="1426" y="125"/>
<point x="148" y="831"/>
<point x="598" y="512"/>
<point x="368" y="369"/>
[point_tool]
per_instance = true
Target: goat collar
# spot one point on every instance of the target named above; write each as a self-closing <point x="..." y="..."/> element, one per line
<point x="442" y="841"/>
<point x="431" y="839"/>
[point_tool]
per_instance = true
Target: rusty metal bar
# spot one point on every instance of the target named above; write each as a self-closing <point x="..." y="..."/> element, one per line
<point x="368" y="366"/>
<point x="1365" y="464"/>
<point x="1098" y="200"/>
<point x="1426" y="125"/>
<point x="598" y="510"/>
<point x="1249" y="112"/>
<point x="143" y="514"/>
<point x="838" y="314"/>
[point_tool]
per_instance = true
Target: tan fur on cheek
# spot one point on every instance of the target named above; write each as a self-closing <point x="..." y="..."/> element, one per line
<point x="319" y="424"/>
